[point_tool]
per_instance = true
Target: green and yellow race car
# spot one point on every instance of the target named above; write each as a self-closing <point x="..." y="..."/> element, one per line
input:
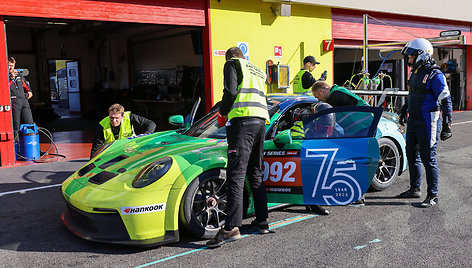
<point x="142" y="190"/>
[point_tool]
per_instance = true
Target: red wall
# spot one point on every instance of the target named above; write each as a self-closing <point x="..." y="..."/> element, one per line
<point x="348" y="24"/>
<point x="468" y="92"/>
<point x="7" y="154"/>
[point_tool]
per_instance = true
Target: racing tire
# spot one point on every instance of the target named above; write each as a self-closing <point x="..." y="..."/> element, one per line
<point x="389" y="165"/>
<point x="203" y="204"/>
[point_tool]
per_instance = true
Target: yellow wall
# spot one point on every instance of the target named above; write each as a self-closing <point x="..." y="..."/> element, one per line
<point x="252" y="21"/>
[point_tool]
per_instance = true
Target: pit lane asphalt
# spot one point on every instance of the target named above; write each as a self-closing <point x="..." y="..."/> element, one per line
<point x="387" y="232"/>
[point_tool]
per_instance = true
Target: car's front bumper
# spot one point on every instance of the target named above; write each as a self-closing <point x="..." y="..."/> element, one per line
<point x="109" y="228"/>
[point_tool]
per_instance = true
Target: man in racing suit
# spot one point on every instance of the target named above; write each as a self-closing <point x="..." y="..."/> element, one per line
<point x="244" y="104"/>
<point x="428" y="94"/>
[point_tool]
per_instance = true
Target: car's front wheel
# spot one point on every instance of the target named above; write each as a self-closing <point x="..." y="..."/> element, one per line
<point x="389" y="165"/>
<point x="203" y="204"/>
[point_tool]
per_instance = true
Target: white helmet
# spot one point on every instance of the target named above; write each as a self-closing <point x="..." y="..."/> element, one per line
<point x="421" y="49"/>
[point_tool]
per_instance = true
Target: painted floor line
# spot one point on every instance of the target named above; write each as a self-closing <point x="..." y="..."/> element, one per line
<point x="22" y="191"/>
<point x="370" y="242"/>
<point x="273" y="225"/>
<point x="461" y="123"/>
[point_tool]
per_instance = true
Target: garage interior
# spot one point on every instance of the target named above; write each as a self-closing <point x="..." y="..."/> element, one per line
<point x="452" y="60"/>
<point x="77" y="69"/>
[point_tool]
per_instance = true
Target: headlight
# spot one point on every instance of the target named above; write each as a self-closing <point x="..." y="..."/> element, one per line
<point x="152" y="172"/>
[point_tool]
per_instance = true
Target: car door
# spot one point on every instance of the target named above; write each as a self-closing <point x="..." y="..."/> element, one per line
<point x="332" y="165"/>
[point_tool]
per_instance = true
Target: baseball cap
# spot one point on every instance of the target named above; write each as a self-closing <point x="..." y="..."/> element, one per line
<point x="310" y="59"/>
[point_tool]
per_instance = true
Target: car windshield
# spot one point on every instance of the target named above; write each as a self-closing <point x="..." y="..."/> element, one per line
<point x="207" y="126"/>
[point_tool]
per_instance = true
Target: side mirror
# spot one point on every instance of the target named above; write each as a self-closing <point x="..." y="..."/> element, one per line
<point x="284" y="137"/>
<point x="177" y="120"/>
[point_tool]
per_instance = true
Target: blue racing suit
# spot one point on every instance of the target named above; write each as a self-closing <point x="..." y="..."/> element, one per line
<point x="428" y="94"/>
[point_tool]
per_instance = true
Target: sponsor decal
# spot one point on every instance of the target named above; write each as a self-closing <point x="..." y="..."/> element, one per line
<point x="212" y="140"/>
<point x="284" y="189"/>
<point x="143" y="209"/>
<point x="425" y="78"/>
<point x="281" y="153"/>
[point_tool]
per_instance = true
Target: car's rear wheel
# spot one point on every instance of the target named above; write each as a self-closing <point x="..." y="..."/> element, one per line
<point x="389" y="165"/>
<point x="202" y="208"/>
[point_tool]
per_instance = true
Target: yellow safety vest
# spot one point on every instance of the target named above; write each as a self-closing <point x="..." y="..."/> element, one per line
<point x="126" y="129"/>
<point x="297" y="83"/>
<point x="251" y="98"/>
<point x="298" y="130"/>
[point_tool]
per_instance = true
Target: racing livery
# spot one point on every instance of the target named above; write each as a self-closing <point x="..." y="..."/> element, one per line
<point x="140" y="190"/>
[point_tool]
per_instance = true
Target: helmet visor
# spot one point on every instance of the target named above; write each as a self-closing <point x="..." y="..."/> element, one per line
<point x="409" y="51"/>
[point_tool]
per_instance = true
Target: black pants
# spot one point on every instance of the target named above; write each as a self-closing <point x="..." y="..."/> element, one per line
<point x="245" y="156"/>
<point x="21" y="112"/>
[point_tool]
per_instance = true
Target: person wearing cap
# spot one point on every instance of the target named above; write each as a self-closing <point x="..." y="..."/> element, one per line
<point x="304" y="79"/>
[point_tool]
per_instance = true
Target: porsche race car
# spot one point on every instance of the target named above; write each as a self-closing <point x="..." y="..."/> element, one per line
<point x="142" y="190"/>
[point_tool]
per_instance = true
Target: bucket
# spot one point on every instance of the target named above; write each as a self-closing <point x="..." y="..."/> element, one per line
<point x="29" y="142"/>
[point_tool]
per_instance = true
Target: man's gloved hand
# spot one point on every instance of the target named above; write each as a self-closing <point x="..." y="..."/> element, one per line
<point x="221" y="120"/>
<point x="446" y="131"/>
<point x="403" y="117"/>
<point x="323" y="76"/>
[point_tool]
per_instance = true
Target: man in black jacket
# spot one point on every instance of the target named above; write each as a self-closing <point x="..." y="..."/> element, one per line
<point x="20" y="93"/>
<point x="244" y="104"/>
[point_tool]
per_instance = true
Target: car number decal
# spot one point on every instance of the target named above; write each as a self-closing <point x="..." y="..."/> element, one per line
<point x="281" y="172"/>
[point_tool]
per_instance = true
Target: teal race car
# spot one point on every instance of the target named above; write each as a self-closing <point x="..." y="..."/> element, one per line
<point x="142" y="190"/>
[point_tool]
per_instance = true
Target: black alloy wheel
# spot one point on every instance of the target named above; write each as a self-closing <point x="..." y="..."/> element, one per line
<point x="389" y="165"/>
<point x="202" y="208"/>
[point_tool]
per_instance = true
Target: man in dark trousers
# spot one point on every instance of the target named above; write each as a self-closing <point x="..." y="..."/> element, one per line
<point x="20" y="93"/>
<point x="118" y="125"/>
<point x="428" y="95"/>
<point x="245" y="106"/>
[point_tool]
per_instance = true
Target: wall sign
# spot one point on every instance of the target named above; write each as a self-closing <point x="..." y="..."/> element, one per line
<point x="278" y="52"/>
<point x="244" y="46"/>
<point x="328" y="45"/>
<point x="219" y="52"/>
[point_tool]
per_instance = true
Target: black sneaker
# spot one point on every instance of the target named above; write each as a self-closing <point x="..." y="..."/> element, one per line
<point x="430" y="201"/>
<point x="317" y="209"/>
<point x="411" y="193"/>
<point x="223" y="237"/>
<point x="261" y="226"/>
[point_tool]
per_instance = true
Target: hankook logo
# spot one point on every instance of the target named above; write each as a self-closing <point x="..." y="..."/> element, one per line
<point x="143" y="209"/>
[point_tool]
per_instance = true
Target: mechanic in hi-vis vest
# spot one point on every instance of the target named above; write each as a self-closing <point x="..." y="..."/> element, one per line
<point x="245" y="106"/>
<point x="428" y="94"/>
<point x="118" y="125"/>
<point x="20" y="93"/>
<point x="303" y="80"/>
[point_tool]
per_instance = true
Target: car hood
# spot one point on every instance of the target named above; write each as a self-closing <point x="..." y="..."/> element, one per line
<point x="124" y="159"/>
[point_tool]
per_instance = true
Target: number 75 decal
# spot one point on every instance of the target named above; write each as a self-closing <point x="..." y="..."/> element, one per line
<point x="338" y="187"/>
